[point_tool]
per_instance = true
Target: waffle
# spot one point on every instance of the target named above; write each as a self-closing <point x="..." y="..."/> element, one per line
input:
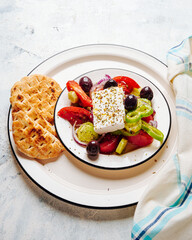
<point x="33" y="100"/>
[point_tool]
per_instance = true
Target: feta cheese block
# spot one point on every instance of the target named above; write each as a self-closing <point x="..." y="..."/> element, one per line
<point x="108" y="110"/>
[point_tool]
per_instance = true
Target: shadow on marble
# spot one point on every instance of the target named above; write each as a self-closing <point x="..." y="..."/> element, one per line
<point x="73" y="210"/>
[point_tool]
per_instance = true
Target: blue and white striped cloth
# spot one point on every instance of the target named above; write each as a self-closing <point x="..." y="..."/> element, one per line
<point x="165" y="210"/>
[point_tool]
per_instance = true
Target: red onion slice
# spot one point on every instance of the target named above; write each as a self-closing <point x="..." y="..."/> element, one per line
<point x="153" y="123"/>
<point x="99" y="85"/>
<point x="106" y="78"/>
<point x="83" y="144"/>
<point x="101" y="137"/>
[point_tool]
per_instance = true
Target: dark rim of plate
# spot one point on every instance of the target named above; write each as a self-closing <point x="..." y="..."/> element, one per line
<point x="30" y="177"/>
<point x="113" y="168"/>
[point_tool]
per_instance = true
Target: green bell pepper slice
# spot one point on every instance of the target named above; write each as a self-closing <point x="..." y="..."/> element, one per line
<point x="141" y="101"/>
<point x="133" y="127"/>
<point x="124" y="133"/>
<point x="133" y="116"/>
<point x="152" y="131"/>
<point x="121" y="146"/>
<point x="144" y="110"/>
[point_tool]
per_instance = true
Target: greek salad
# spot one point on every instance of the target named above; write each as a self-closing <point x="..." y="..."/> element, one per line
<point x="113" y="116"/>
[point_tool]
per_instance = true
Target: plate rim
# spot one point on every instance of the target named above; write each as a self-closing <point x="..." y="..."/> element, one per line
<point x="114" y="168"/>
<point x="15" y="155"/>
<point x="97" y="44"/>
<point x="52" y="194"/>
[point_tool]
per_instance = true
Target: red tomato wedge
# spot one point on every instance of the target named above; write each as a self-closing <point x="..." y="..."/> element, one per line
<point x="75" y="114"/>
<point x="142" y="139"/>
<point x="126" y="83"/>
<point x="149" y="118"/>
<point x="109" y="143"/>
<point x="74" y="86"/>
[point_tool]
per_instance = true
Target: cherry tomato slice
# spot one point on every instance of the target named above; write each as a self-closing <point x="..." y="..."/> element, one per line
<point x="74" y="86"/>
<point x="75" y="114"/>
<point x="142" y="139"/>
<point x="126" y="88"/>
<point x="127" y="83"/>
<point x="109" y="143"/>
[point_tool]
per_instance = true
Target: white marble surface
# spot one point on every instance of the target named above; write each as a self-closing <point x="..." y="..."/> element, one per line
<point x="31" y="31"/>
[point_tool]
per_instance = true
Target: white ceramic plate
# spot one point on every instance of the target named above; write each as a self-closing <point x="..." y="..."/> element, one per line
<point x="114" y="161"/>
<point x="73" y="181"/>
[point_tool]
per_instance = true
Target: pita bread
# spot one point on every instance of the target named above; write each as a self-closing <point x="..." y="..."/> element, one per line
<point x="33" y="100"/>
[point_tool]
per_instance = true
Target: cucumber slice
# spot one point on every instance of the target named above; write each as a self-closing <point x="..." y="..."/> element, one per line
<point x="136" y="92"/>
<point x="73" y="96"/>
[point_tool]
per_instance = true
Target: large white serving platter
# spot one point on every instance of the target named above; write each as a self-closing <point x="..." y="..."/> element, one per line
<point x="115" y="161"/>
<point x="72" y="180"/>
